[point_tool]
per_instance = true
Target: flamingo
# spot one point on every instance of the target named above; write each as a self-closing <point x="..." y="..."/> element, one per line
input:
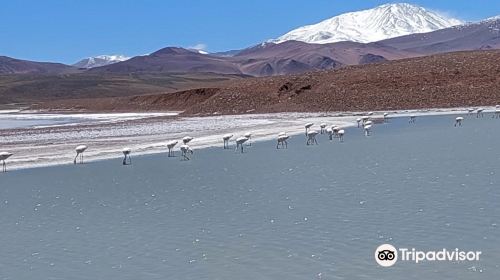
<point x="226" y="139"/>
<point x="79" y="152"/>
<point x="3" y="157"/>
<point x="470" y="111"/>
<point x="311" y="137"/>
<point x="497" y="113"/>
<point x="239" y="143"/>
<point x="367" y="123"/>
<point x="413" y="118"/>
<point x="330" y="133"/>
<point x="480" y="113"/>
<point x="341" y="135"/>
<point x="126" y="153"/>
<point x="170" y="147"/>
<point x="248" y="135"/>
<point x="187" y="139"/>
<point x="358" y="120"/>
<point x="458" y="121"/>
<point x="386" y="116"/>
<point x="370" y="114"/>
<point x="185" y="149"/>
<point x="367" y="130"/>
<point x="322" y="126"/>
<point x="364" y="119"/>
<point x="307" y="126"/>
<point x="282" y="141"/>
<point x="335" y="130"/>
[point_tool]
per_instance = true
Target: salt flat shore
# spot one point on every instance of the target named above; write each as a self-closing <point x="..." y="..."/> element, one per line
<point x="45" y="145"/>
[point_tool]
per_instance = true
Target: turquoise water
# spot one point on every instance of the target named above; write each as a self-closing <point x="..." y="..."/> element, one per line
<point x="24" y="123"/>
<point x="308" y="212"/>
<point x="11" y="120"/>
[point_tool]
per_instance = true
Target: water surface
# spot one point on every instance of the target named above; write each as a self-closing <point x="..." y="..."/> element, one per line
<point x="308" y="212"/>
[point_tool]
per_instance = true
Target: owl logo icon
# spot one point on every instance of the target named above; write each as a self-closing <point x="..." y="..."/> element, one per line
<point x="386" y="255"/>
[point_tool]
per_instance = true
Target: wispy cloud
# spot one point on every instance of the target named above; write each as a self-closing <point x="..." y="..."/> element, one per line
<point x="448" y="14"/>
<point x="199" y="47"/>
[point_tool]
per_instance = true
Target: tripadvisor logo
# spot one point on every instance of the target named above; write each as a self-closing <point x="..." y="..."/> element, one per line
<point x="387" y="255"/>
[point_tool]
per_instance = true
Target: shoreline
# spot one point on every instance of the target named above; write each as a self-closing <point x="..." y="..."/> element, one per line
<point x="41" y="147"/>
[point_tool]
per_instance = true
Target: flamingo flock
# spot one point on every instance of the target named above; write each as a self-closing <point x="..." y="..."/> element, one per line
<point x="365" y="122"/>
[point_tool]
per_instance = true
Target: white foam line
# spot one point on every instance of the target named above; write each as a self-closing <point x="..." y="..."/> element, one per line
<point x="56" y="146"/>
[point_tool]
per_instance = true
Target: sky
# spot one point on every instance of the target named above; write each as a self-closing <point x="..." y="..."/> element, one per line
<point x="68" y="30"/>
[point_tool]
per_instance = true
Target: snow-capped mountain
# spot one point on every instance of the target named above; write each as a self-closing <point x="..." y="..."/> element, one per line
<point x="100" y="60"/>
<point x="383" y="22"/>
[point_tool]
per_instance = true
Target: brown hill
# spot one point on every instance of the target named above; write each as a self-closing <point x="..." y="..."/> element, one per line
<point x="446" y="80"/>
<point x="294" y="57"/>
<point x="10" y="65"/>
<point x="172" y="60"/>
<point x="270" y="59"/>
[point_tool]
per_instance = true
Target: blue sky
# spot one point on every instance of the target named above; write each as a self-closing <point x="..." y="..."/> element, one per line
<point x="68" y="30"/>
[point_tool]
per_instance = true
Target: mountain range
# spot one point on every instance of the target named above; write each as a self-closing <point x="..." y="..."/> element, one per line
<point x="437" y="81"/>
<point x="387" y="32"/>
<point x="293" y="57"/>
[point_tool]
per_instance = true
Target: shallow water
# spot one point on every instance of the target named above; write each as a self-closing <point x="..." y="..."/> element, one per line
<point x="308" y="212"/>
<point x="10" y="119"/>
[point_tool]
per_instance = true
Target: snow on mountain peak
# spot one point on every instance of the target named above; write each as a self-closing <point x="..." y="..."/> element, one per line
<point x="382" y="22"/>
<point x="100" y="60"/>
<point x="495" y="18"/>
<point x="116" y="57"/>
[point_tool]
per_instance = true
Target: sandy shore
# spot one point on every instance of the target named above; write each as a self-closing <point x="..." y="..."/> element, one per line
<point x="54" y="145"/>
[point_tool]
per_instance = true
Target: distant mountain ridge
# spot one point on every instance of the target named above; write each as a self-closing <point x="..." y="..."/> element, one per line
<point x="172" y="60"/>
<point x="470" y="36"/>
<point x="9" y="65"/>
